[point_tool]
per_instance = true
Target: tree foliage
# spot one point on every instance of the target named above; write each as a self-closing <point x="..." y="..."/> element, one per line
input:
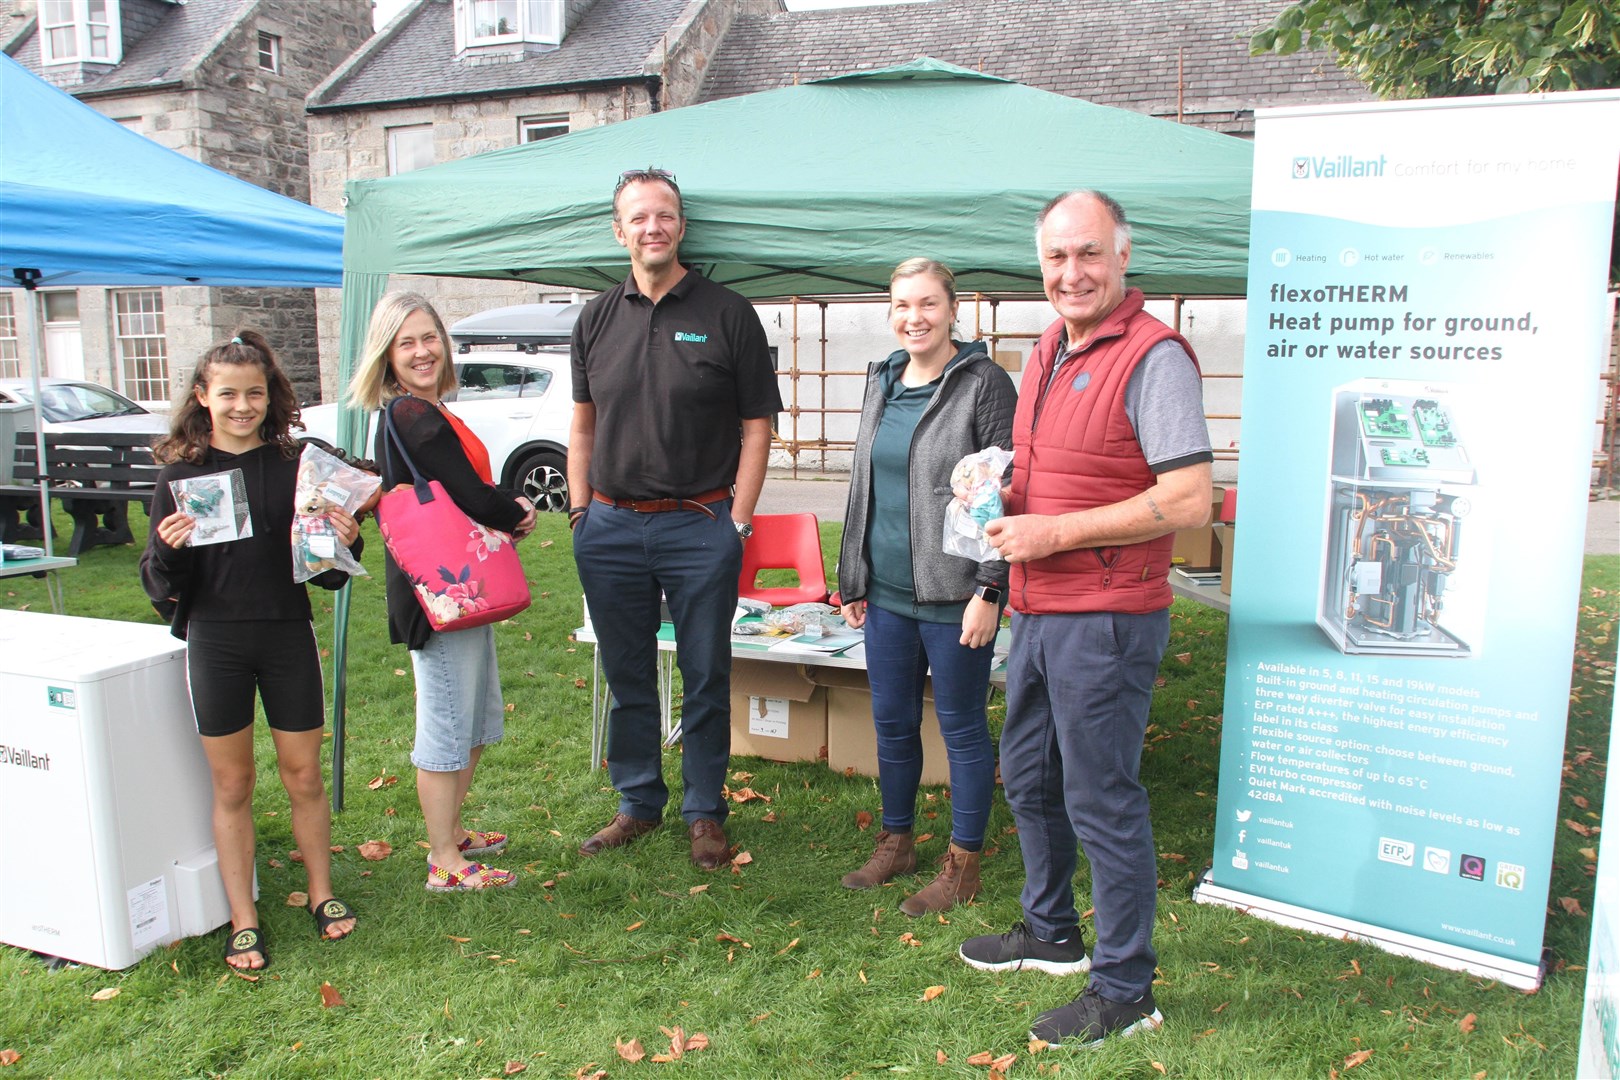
<point x="1447" y="48"/>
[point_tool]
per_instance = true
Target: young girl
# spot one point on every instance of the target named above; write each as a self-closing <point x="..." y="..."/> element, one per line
<point x="247" y="623"/>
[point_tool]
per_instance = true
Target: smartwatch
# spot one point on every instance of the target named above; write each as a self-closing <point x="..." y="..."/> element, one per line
<point x="990" y="594"/>
<point x="744" y="529"/>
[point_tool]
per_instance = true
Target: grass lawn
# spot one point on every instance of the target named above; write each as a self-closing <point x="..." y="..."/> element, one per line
<point x="786" y="973"/>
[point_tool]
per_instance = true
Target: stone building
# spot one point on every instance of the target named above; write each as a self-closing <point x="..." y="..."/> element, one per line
<point x="220" y="81"/>
<point x="447" y="79"/>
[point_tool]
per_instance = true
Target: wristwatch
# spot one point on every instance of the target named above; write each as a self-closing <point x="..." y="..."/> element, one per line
<point x="744" y="529"/>
<point x="990" y="594"/>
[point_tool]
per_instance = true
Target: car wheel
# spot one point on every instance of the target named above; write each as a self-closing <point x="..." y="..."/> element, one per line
<point x="543" y="479"/>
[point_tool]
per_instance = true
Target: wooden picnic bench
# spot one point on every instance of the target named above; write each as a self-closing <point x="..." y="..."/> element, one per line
<point x="94" y="476"/>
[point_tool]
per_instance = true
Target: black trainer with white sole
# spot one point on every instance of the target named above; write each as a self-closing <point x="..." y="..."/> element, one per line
<point x="1019" y="949"/>
<point x="1090" y="1018"/>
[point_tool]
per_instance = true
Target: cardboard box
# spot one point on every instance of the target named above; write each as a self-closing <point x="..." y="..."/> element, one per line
<point x="1197" y="549"/>
<point x="1226" y="536"/>
<point x="851" y="738"/>
<point x="777" y="711"/>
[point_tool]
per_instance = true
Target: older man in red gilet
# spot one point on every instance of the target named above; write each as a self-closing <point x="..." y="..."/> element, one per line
<point x="1112" y="455"/>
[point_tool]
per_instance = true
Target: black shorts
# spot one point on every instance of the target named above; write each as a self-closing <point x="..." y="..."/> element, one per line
<point x="227" y="661"/>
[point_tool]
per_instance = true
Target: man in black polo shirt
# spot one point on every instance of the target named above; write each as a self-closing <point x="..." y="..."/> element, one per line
<point x="673" y="398"/>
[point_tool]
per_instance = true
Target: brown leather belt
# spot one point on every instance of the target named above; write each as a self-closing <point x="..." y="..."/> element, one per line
<point x="662" y="506"/>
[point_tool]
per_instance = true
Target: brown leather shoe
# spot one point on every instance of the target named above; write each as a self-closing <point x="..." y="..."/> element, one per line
<point x="710" y="848"/>
<point x="619" y="832"/>
<point x="895" y="854"/>
<point x="956" y="883"/>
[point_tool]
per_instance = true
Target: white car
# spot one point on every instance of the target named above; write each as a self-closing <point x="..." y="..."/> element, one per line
<point x="517" y="402"/>
<point x="69" y="405"/>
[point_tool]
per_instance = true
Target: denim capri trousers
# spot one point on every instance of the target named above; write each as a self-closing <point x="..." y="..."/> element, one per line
<point x="458" y="698"/>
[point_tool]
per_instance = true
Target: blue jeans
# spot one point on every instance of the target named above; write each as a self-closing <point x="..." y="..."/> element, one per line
<point x="625" y="559"/>
<point x="1078" y="691"/>
<point x="899" y="653"/>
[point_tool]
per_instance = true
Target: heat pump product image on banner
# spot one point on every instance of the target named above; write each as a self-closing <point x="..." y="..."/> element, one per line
<point x="1400" y="486"/>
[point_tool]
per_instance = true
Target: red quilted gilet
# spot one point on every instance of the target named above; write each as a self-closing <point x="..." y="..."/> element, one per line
<point x="1073" y="450"/>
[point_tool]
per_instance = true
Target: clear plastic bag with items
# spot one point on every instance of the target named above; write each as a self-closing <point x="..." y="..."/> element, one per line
<point x="325" y="482"/>
<point x="975" y="502"/>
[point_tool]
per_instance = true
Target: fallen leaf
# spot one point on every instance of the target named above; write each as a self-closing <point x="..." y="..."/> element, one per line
<point x="8" y="1056"/>
<point x="1185" y="658"/>
<point x="1004" y="1062"/>
<point x="106" y="995"/>
<point x="298" y="856"/>
<point x="630" y="1051"/>
<point x="770" y="817"/>
<point x="1358" y="1058"/>
<point x="786" y="947"/>
<point x="330" y="998"/>
<point x="1157" y="1066"/>
<point x="1355" y="965"/>
<point x="637" y="925"/>
<point x="742" y="858"/>
<point x="694" y="890"/>
<point x="245" y="974"/>
<point x="1580" y="801"/>
<point x="932" y="992"/>
<point x="863" y="820"/>
<point x="298" y="899"/>
<point x="579" y="684"/>
<point x="462" y="940"/>
<point x="1037" y="1045"/>
<point x="697" y="1041"/>
<point x="1468" y="1022"/>
<point x="981" y="1058"/>
<point x="375" y="850"/>
<point x="399" y="672"/>
<point x="939" y="1056"/>
<point x="513" y="1068"/>
<point x="1578" y="827"/>
<point x="722" y="936"/>
<point x="1571" y="905"/>
<point x="924" y="838"/>
<point x="275" y="864"/>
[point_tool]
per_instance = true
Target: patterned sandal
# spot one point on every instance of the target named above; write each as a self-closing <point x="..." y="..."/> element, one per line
<point x="476" y="876"/>
<point x="328" y="912"/>
<point x="482" y="843"/>
<point x="249" y="939"/>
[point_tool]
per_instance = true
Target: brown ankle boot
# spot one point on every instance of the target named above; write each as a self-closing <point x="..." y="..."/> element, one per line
<point x="956" y="883"/>
<point x="894" y="854"/>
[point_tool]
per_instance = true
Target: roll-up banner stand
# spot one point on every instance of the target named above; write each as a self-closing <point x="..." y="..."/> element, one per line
<point x="1426" y="316"/>
<point x="1600" y="1017"/>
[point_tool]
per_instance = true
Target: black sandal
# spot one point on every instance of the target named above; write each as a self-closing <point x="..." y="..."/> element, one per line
<point x="331" y="911"/>
<point x="242" y="942"/>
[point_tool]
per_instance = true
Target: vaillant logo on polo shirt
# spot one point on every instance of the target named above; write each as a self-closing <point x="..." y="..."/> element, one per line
<point x="682" y="335"/>
<point x="1337" y="167"/>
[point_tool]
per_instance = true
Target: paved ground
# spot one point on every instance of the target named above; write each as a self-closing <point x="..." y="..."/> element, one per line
<point x="825" y="496"/>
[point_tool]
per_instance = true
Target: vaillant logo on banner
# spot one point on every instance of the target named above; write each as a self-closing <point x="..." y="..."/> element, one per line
<point x="1338" y="167"/>
<point x="1396" y="851"/>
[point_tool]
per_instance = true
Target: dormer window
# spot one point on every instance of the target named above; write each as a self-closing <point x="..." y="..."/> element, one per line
<point x="84" y="31"/>
<point x="508" y="22"/>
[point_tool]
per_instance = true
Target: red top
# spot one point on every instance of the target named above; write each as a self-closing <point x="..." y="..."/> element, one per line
<point x="477" y="453"/>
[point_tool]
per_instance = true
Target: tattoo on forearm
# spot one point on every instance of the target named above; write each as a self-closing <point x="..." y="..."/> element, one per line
<point x="1153" y="506"/>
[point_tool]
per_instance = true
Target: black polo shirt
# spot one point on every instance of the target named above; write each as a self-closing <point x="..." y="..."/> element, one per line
<point x="672" y="383"/>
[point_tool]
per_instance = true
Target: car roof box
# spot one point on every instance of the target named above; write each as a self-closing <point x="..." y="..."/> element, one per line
<point x="527" y="325"/>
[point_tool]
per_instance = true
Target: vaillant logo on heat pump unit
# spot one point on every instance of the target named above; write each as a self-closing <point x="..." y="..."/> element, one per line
<point x="24" y="758"/>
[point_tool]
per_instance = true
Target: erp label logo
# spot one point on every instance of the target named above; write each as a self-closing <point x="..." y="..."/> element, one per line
<point x="1437" y="860"/>
<point x="1471" y="867"/>
<point x="1510" y="876"/>
<point x="1396" y="851"/>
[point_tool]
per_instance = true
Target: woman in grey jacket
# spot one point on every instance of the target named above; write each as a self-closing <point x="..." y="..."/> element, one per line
<point x="927" y="406"/>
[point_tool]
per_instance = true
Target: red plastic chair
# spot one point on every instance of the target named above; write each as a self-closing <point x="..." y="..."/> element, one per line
<point x="784" y="542"/>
